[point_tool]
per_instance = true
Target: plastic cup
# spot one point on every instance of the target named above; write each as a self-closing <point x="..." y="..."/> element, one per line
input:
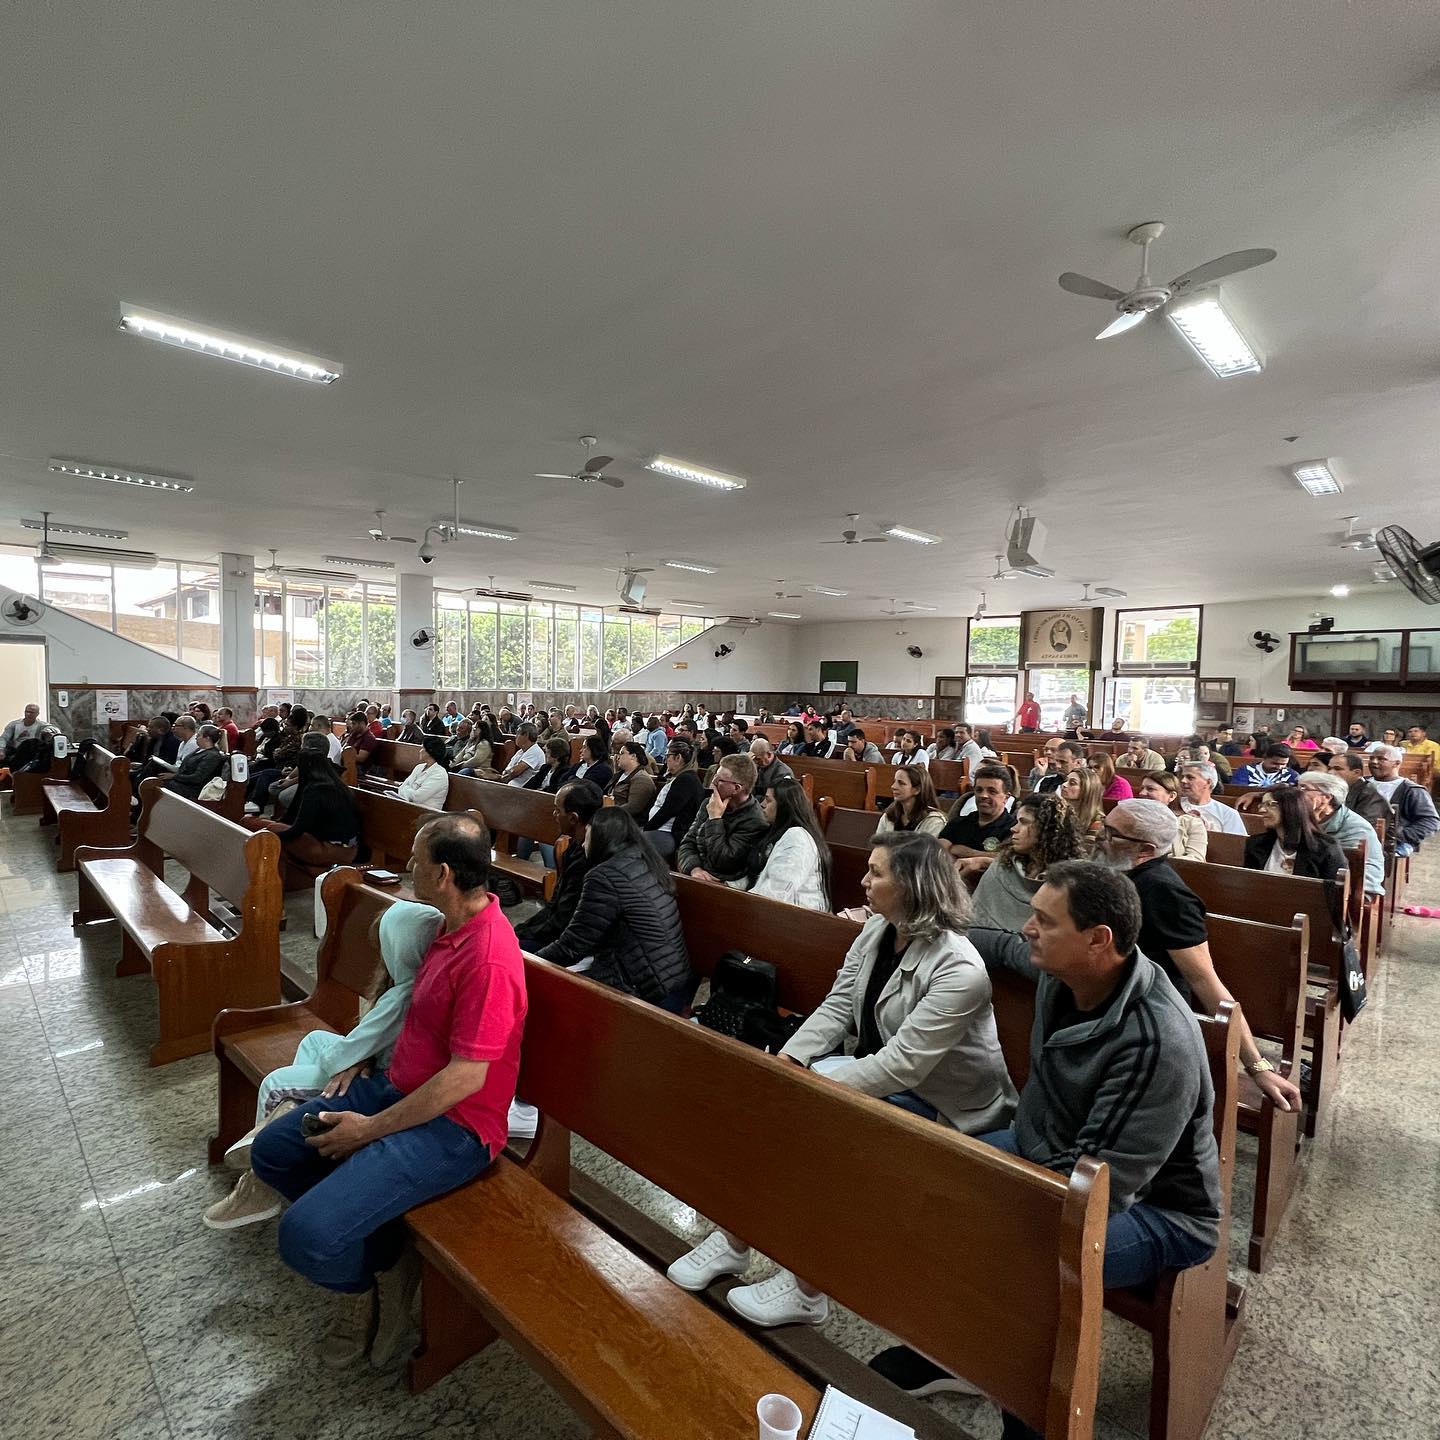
<point x="779" y="1417"/>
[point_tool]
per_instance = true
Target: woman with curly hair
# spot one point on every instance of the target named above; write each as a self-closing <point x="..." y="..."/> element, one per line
<point x="1082" y="791"/>
<point x="1045" y="833"/>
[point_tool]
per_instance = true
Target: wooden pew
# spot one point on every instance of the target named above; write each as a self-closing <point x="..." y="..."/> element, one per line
<point x="510" y="1256"/>
<point x="1265" y="969"/>
<point x="845" y="782"/>
<point x="1276" y="900"/>
<point x="510" y="812"/>
<point x="848" y="833"/>
<point x="27" y="787"/>
<point x="199" y="967"/>
<point x="249" y="1044"/>
<point x="92" y="808"/>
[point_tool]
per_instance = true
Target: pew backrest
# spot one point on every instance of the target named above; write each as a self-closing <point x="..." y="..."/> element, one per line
<point x="210" y="847"/>
<point x="645" y="1073"/>
<point x="507" y="809"/>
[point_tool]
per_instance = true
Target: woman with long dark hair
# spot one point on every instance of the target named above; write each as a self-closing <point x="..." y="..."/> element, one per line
<point x="792" y="862"/>
<point x="627" y="917"/>
<point x="914" y="806"/>
<point x="1291" y="843"/>
<point x="594" y="763"/>
<point x="794" y="742"/>
<point x="633" y="787"/>
<point x="321" y="824"/>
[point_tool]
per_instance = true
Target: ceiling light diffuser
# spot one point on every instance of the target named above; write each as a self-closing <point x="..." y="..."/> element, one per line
<point x="783" y="615"/>
<point x="485" y="532"/>
<point x="687" y="565"/>
<point x="171" y="330"/>
<point x="825" y="590"/>
<point x="696" y="474"/>
<point x="56" y="528"/>
<point x="916" y="537"/>
<point x="549" y="585"/>
<point x="1316" y="478"/>
<point x="1339" y="591"/>
<point x="355" y="560"/>
<point x="1214" y="336"/>
<point x="87" y="471"/>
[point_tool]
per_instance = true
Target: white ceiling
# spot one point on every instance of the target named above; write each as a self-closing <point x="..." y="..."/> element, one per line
<point x="814" y="244"/>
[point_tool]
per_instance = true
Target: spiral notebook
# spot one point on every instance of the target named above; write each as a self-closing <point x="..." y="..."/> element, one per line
<point x="841" y="1417"/>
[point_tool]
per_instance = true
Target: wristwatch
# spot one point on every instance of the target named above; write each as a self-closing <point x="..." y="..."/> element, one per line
<point x="1259" y="1066"/>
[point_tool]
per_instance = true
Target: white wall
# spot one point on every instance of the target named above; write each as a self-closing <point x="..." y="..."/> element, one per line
<point x="885" y="668"/>
<point x="1225" y="647"/>
<point x="763" y="659"/>
<point x="78" y="653"/>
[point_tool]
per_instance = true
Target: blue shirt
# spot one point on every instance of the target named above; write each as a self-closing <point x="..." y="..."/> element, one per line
<point x="656" y="742"/>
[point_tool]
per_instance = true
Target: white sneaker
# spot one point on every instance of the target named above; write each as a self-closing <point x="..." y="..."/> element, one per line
<point x="707" y="1262"/>
<point x="778" y="1301"/>
<point x="250" y="1202"/>
<point x="524" y="1120"/>
<point x="251" y="808"/>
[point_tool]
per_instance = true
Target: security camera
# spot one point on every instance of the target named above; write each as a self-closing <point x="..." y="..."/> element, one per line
<point x="427" y="553"/>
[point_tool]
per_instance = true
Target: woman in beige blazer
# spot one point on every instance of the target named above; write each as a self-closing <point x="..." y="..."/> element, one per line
<point x="908" y="1020"/>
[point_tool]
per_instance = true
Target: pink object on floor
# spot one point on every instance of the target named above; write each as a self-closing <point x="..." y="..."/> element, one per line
<point x="1428" y="911"/>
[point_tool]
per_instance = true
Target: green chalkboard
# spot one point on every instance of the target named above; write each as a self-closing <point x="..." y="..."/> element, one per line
<point x="839" y="677"/>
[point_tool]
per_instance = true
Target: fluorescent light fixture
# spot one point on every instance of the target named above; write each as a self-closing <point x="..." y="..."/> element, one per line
<point x="684" y="470"/>
<point x="916" y="537"/>
<point x="120" y="476"/>
<point x="1316" y="478"/>
<point x="691" y="604"/>
<point x="688" y="565"/>
<point x="550" y="585"/>
<point x="355" y="560"/>
<point x="1214" y="336"/>
<point x="171" y="330"/>
<point x="825" y="590"/>
<point x="783" y="615"/>
<point x="56" y="528"/>
<point x="1339" y="591"/>
<point x="485" y="532"/>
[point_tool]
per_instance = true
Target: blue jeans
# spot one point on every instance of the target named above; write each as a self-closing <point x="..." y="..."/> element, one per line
<point x="909" y="1100"/>
<point x="342" y="1226"/>
<point x="1139" y="1243"/>
<point x="525" y="847"/>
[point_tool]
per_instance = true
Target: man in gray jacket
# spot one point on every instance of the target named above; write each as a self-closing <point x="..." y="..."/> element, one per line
<point x="1118" y="1071"/>
<point x="726" y="832"/>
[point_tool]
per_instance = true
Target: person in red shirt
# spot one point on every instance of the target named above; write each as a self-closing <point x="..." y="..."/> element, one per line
<point x="432" y="1123"/>
<point x="361" y="739"/>
<point x="225" y="719"/>
<point x="1028" y="715"/>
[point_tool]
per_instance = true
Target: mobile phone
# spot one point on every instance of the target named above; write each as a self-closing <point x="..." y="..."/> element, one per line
<point x="312" y="1124"/>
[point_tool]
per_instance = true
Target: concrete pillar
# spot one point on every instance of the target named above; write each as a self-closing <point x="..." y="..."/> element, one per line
<point x="237" y="619"/>
<point x="414" y="610"/>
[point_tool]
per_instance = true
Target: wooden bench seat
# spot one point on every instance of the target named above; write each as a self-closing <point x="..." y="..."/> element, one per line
<point x="200" y="966"/>
<point x="92" y="807"/>
<point x="27" y="787"/>
<point x="349" y="972"/>
<point x="637" y="1082"/>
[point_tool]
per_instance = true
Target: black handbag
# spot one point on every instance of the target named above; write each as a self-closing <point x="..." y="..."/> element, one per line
<point x="742" y="1003"/>
<point x="1353" y="996"/>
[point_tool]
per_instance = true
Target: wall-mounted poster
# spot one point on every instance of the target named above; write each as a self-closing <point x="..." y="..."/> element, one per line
<point x="111" y="705"/>
<point x="280" y="695"/>
<point x="1061" y="637"/>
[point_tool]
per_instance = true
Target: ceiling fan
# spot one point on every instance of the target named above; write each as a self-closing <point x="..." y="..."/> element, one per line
<point x="489" y="592"/>
<point x="782" y="593"/>
<point x="378" y="534"/>
<point x="1088" y="599"/>
<point x="276" y="571"/>
<point x="1363" y="540"/>
<point x="1145" y="297"/>
<point x="853" y="537"/>
<point x="591" y="471"/>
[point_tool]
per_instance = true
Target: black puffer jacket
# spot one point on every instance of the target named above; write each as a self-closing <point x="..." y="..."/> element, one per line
<point x="630" y="923"/>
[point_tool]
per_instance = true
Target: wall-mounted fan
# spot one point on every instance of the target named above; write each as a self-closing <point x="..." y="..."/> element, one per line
<point x="914" y="652"/>
<point x="22" y="610"/>
<point x="422" y="639"/>
<point x="590" y="472"/>
<point x="1264" y="641"/>
<point x="1416" y="566"/>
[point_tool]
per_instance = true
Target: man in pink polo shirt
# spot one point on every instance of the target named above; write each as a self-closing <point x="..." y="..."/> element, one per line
<point x="435" y="1121"/>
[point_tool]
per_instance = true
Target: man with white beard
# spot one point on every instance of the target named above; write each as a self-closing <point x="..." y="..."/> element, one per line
<point x="1136" y="838"/>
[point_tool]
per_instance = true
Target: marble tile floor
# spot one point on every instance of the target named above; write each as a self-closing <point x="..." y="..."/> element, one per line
<point x="121" y="1316"/>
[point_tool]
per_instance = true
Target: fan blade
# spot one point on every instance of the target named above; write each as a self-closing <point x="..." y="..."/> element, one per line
<point x="1084" y="285"/>
<point x="402" y="539"/>
<point x="598" y="462"/>
<point x="1121" y="324"/>
<point x="836" y="542"/>
<point x="872" y="540"/>
<point x="556" y="477"/>
<point x="1231" y="264"/>
<point x="611" y="481"/>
